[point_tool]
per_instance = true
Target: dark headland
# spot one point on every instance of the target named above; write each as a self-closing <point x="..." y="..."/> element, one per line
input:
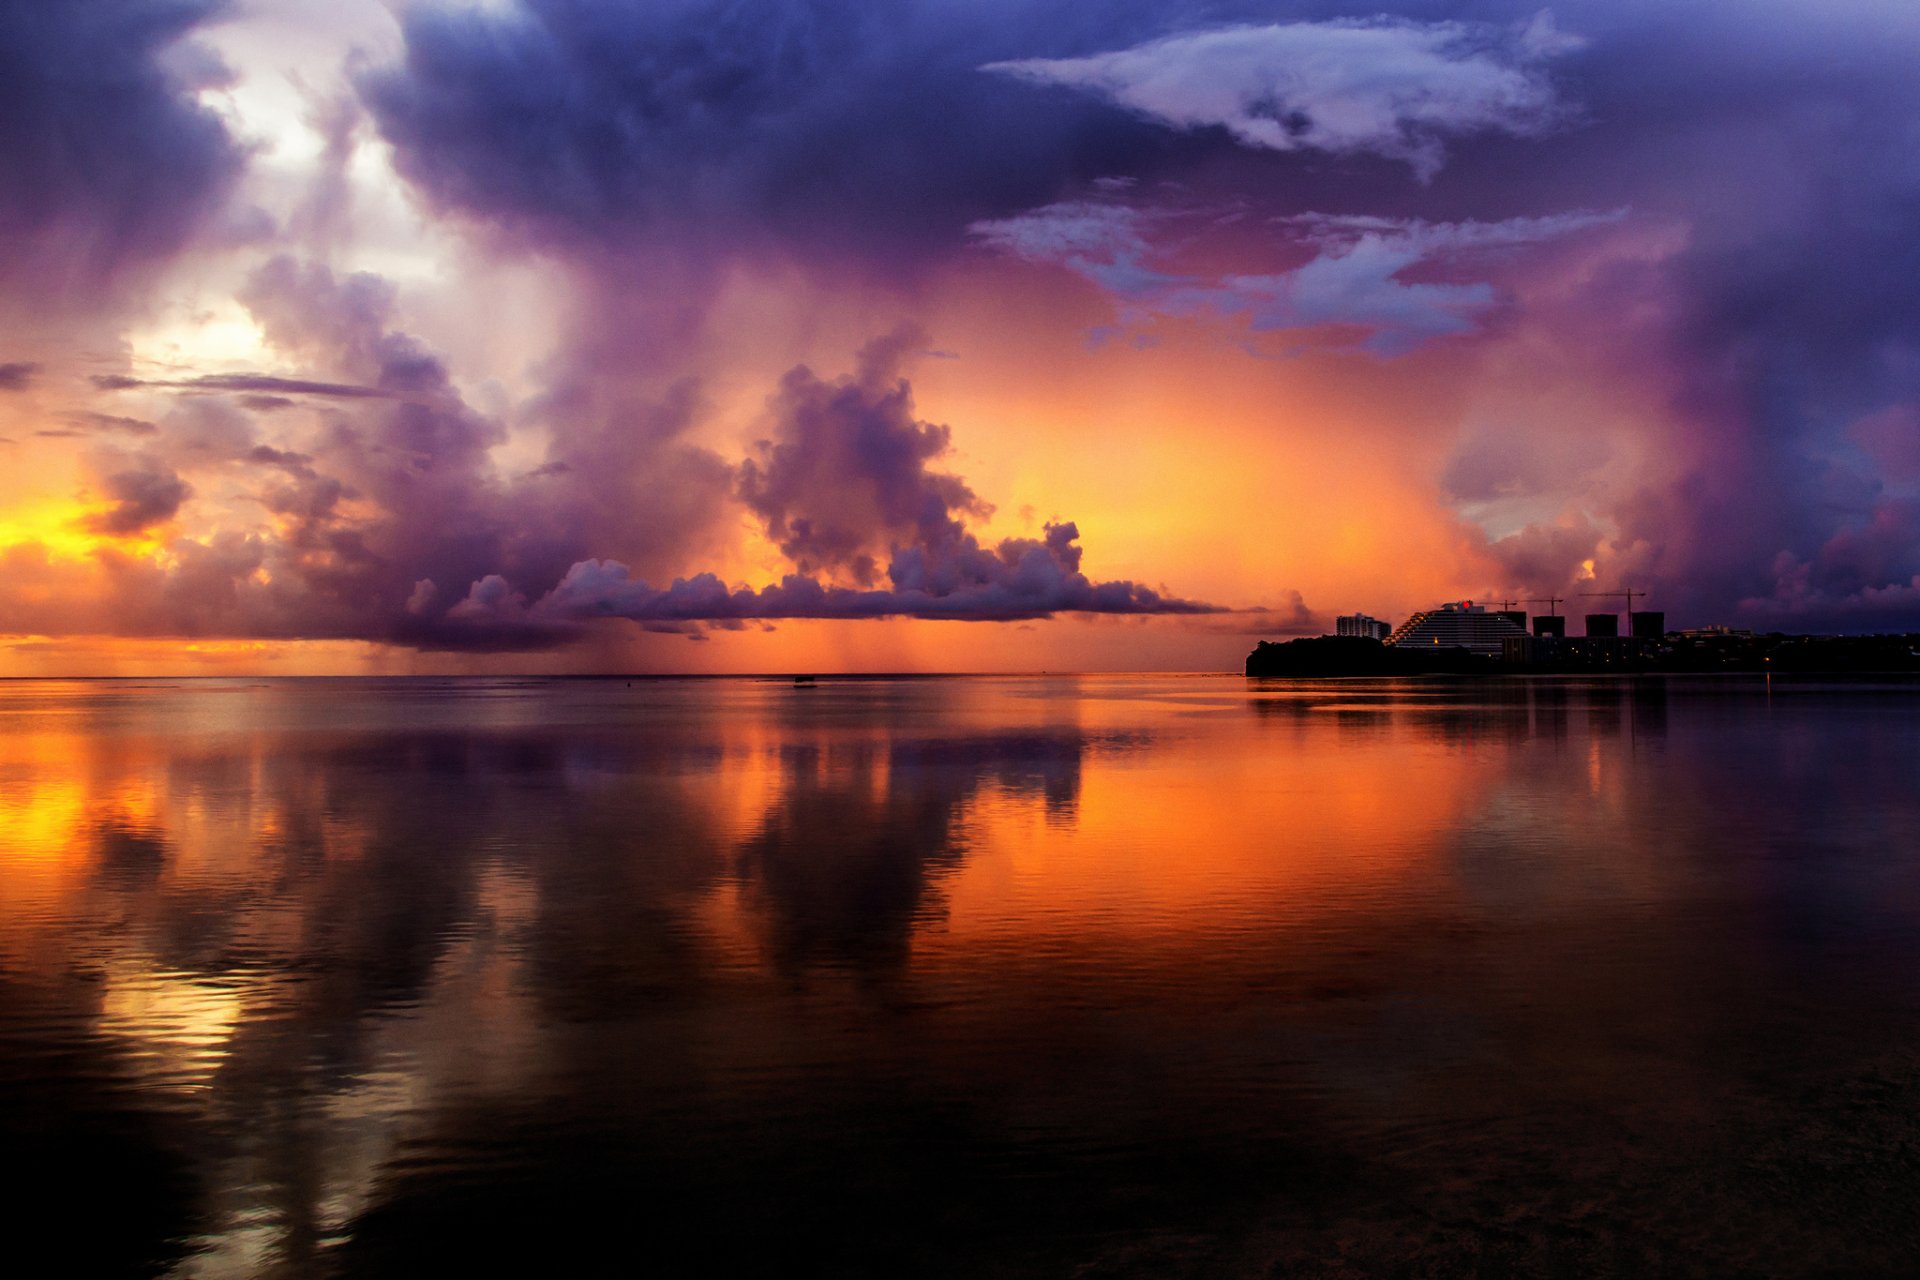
<point x="1675" y="653"/>
<point x="1361" y="656"/>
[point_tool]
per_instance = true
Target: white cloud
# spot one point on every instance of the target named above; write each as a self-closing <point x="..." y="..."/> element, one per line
<point x="1359" y="287"/>
<point x="1340" y="231"/>
<point x="1107" y="243"/>
<point x="1354" y="281"/>
<point x="1076" y="230"/>
<point x="1385" y="86"/>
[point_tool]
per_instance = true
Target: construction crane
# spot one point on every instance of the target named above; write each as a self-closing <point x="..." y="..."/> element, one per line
<point x="1629" y="593"/>
<point x="1553" y="603"/>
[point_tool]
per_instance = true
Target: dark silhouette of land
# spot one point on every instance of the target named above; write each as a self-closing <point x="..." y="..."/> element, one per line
<point x="1822" y="655"/>
<point x="1361" y="656"/>
<point x="1674" y="653"/>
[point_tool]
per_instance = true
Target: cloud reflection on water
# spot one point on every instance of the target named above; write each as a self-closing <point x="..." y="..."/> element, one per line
<point x="931" y="975"/>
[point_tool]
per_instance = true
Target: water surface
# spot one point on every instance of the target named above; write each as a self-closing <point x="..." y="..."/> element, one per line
<point x="975" y="977"/>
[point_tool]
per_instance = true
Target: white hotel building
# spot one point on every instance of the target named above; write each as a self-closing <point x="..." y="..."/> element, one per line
<point x="1462" y="624"/>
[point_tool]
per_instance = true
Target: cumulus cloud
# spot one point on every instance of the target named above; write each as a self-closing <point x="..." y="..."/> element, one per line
<point x="842" y="486"/>
<point x="1857" y="561"/>
<point x="846" y="475"/>
<point x="1860" y="576"/>
<point x="1018" y="578"/>
<point x="1382" y="86"/>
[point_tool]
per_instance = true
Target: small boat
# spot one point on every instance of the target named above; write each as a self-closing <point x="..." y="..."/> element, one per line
<point x="803" y="682"/>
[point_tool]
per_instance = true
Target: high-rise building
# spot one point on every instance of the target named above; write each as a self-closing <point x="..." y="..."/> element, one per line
<point x="1549" y="624"/>
<point x="1462" y="624"/>
<point x="1518" y="617"/>
<point x="1647" y="624"/>
<point x="1603" y="624"/>
<point x="1359" y="624"/>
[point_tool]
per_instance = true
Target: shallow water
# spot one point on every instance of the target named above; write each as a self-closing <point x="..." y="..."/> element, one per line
<point x="1112" y="976"/>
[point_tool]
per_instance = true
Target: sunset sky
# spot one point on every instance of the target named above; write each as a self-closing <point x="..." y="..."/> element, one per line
<point x="774" y="335"/>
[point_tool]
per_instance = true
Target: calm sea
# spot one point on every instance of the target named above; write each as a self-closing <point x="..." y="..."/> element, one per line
<point x="1129" y="976"/>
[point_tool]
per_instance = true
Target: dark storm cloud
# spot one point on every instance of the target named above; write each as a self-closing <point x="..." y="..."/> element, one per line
<point x="108" y="161"/>
<point x="17" y="375"/>
<point x="1778" y="142"/>
<point x="142" y="497"/>
<point x="860" y="126"/>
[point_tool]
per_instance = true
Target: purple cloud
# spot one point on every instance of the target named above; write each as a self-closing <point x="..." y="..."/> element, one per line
<point x="847" y="474"/>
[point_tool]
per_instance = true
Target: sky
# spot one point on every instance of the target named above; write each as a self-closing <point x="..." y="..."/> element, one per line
<point x="940" y="335"/>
